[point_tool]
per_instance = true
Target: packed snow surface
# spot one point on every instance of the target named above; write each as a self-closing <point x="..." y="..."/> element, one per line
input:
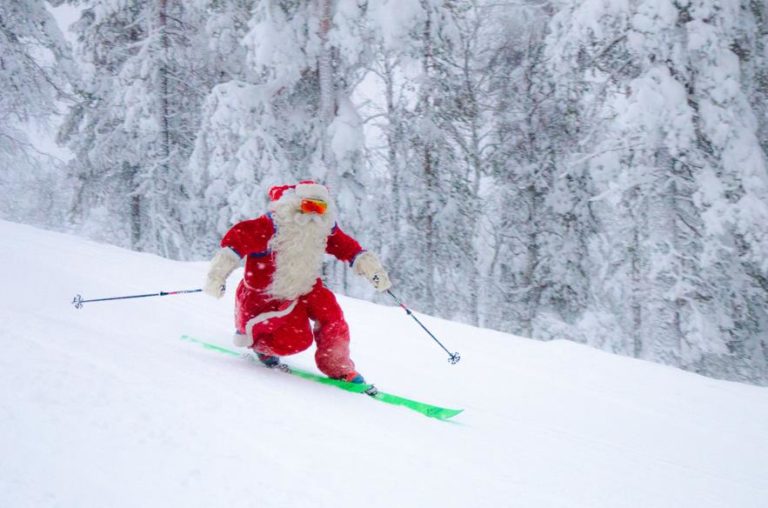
<point x="106" y="406"/>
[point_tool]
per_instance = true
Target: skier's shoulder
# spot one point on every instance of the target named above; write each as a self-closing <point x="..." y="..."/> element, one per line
<point x="250" y="234"/>
<point x="260" y="223"/>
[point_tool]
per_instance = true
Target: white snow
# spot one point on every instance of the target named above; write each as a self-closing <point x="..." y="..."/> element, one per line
<point x="106" y="406"/>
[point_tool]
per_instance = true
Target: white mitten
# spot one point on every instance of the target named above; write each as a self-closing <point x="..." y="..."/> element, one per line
<point x="222" y="264"/>
<point x="368" y="265"/>
<point x="242" y="340"/>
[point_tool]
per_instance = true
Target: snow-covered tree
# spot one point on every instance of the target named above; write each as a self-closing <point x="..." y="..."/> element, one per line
<point x="430" y="124"/>
<point x="134" y="128"/>
<point x="539" y="215"/>
<point x="680" y="178"/>
<point x="430" y="195"/>
<point x="36" y="73"/>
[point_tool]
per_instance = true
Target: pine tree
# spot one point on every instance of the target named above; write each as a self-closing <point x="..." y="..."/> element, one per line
<point x="432" y="205"/>
<point x="134" y="128"/>
<point x="36" y="75"/>
<point x="658" y="84"/>
<point x="226" y="114"/>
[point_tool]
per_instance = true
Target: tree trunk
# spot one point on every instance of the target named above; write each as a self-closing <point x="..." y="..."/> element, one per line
<point x="327" y="104"/>
<point x="430" y="178"/>
<point x="662" y="327"/>
<point x="393" y="141"/>
<point x="135" y="204"/>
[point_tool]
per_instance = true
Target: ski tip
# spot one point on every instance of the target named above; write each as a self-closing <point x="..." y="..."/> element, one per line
<point x="444" y="414"/>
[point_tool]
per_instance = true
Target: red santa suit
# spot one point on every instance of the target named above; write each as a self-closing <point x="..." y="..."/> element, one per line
<point x="281" y="291"/>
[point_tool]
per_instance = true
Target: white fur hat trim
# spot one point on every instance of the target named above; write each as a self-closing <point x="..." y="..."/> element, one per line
<point x="313" y="190"/>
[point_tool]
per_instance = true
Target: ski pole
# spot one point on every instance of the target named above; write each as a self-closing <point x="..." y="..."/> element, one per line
<point x="78" y="300"/>
<point x="453" y="358"/>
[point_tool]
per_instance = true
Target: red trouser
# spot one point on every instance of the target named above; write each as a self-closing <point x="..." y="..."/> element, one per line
<point x="287" y="329"/>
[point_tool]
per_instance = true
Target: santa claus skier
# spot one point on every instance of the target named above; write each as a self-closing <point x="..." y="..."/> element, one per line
<point x="281" y="290"/>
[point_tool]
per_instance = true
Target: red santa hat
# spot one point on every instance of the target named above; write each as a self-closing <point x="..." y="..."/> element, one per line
<point x="303" y="189"/>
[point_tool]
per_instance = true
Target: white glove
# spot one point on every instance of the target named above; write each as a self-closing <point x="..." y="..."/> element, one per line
<point x="222" y="264"/>
<point x="368" y="265"/>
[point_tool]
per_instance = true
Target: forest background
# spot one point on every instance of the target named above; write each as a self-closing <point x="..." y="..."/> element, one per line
<point x="590" y="170"/>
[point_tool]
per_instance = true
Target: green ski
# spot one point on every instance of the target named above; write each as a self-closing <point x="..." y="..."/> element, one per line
<point x="426" y="409"/>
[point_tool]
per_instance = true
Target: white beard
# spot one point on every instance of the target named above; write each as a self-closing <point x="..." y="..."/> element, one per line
<point x="299" y="245"/>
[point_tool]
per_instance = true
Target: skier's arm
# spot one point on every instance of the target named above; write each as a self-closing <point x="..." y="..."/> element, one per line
<point x="244" y="238"/>
<point x="343" y="246"/>
<point x="363" y="262"/>
<point x="223" y="263"/>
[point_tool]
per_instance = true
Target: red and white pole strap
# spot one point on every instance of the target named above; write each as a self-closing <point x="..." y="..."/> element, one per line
<point x="453" y="358"/>
<point x="78" y="300"/>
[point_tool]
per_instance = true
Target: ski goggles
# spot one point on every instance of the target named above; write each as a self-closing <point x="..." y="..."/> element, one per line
<point x="309" y="205"/>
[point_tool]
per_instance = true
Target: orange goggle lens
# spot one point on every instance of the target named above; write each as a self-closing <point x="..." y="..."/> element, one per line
<point x="317" y="206"/>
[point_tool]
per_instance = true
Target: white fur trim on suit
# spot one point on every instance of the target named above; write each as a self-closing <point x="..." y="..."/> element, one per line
<point x="223" y="263"/>
<point x="264" y="316"/>
<point x="242" y="340"/>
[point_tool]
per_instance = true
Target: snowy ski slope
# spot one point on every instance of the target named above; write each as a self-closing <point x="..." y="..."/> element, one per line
<point x="107" y="407"/>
